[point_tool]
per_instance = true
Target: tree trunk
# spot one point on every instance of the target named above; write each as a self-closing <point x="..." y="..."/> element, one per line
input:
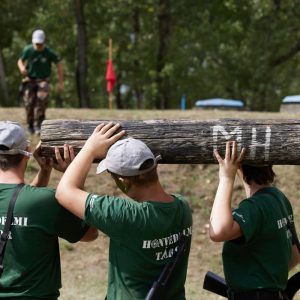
<point x="136" y="63"/>
<point x="277" y="4"/>
<point x="164" y="25"/>
<point x="191" y="141"/>
<point x="58" y="100"/>
<point x="3" y="81"/>
<point x="81" y="69"/>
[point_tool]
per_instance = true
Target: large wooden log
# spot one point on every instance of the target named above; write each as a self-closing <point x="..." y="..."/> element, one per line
<point x="191" y="141"/>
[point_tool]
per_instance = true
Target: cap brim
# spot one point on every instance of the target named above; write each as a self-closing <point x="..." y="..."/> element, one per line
<point x="101" y="167"/>
<point x="38" y="41"/>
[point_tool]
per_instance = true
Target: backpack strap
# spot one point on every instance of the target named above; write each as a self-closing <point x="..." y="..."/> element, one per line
<point x="8" y="221"/>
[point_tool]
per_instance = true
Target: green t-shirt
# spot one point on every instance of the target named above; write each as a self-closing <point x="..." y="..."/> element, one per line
<point x="38" y="63"/>
<point x="143" y="238"/>
<point x="260" y="258"/>
<point x="32" y="260"/>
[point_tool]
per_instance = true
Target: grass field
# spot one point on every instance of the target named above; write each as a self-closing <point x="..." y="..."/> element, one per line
<point x="84" y="265"/>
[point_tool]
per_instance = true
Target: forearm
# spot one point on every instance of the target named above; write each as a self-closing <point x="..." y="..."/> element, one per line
<point x="76" y="173"/>
<point x="60" y="73"/>
<point x="222" y="225"/>
<point x="221" y="220"/>
<point x="21" y="65"/>
<point x="42" y="178"/>
<point x="70" y="193"/>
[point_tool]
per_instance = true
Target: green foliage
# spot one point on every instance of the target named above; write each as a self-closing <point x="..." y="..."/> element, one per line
<point x="231" y="48"/>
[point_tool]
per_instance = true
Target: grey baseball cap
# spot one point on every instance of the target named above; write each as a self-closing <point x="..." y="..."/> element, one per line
<point x="38" y="37"/>
<point x="125" y="158"/>
<point x="13" y="137"/>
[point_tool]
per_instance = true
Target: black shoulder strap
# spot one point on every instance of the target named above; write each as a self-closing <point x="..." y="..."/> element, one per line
<point x="9" y="216"/>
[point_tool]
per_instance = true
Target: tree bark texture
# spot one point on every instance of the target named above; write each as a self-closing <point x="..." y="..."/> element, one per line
<point x="164" y="32"/>
<point x="3" y="84"/>
<point x="190" y="141"/>
<point x="136" y="63"/>
<point x="81" y="69"/>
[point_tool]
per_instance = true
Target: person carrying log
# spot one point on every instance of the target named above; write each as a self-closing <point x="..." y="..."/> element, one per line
<point x="31" y="220"/>
<point x="35" y="66"/>
<point x="145" y="226"/>
<point x="260" y="240"/>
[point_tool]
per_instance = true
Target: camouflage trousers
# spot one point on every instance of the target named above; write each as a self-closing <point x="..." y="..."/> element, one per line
<point x="35" y="98"/>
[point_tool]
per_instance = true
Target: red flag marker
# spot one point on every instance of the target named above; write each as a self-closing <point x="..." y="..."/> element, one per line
<point x="110" y="76"/>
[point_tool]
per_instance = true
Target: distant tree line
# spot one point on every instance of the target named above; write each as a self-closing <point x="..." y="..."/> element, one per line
<point x="162" y="49"/>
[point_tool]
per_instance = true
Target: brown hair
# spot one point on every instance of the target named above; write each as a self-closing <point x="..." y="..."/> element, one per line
<point x="258" y="174"/>
<point x="9" y="161"/>
<point x="143" y="179"/>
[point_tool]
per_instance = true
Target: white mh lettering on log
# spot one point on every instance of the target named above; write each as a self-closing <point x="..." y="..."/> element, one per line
<point x="237" y="134"/>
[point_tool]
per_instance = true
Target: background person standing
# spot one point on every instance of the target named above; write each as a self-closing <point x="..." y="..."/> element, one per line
<point x="35" y="65"/>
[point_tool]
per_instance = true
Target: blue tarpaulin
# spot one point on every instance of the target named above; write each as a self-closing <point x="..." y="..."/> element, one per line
<point x="291" y="99"/>
<point x="219" y="102"/>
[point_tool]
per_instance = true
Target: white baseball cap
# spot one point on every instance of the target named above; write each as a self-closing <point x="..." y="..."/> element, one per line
<point x="125" y="158"/>
<point x="38" y="37"/>
<point x="13" y="138"/>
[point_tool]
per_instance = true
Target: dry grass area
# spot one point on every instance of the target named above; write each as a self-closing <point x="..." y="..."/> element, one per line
<point x="84" y="265"/>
